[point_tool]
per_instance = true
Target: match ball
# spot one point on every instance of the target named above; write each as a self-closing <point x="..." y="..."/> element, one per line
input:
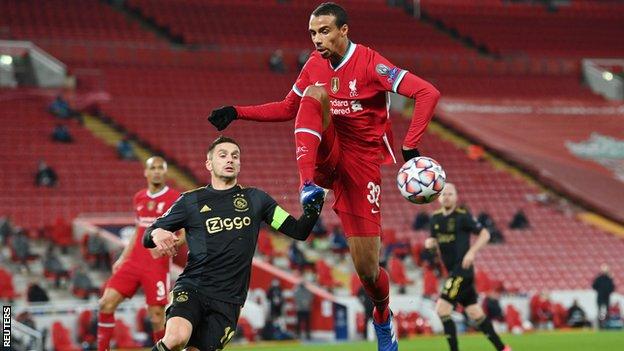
<point x="421" y="179"/>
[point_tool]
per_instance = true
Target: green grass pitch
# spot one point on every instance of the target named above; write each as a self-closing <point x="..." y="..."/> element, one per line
<point x="543" y="341"/>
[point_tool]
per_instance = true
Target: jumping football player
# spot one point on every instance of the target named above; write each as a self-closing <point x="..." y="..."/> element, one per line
<point x="342" y="134"/>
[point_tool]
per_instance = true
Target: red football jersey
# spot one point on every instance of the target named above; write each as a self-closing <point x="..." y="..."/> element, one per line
<point x="358" y="89"/>
<point x="148" y="207"/>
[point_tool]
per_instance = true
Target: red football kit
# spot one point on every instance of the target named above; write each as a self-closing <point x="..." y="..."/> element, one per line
<point x="358" y="139"/>
<point x="140" y="268"/>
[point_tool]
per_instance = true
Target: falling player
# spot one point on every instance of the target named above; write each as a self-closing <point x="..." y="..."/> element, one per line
<point x="342" y="134"/>
<point x="136" y="266"/>
<point x="451" y="227"/>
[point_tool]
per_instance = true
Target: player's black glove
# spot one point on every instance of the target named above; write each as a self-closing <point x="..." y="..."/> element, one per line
<point x="409" y="154"/>
<point x="222" y="117"/>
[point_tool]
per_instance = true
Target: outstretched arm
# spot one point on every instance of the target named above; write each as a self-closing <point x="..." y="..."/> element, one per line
<point x="299" y="228"/>
<point x="280" y="111"/>
<point x="271" y="112"/>
<point x="282" y="221"/>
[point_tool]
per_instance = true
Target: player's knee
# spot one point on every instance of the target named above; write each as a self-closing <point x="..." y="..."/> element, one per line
<point x="175" y="340"/>
<point x="475" y="314"/>
<point x="443" y="310"/>
<point x="107" y="305"/>
<point x="177" y="335"/>
<point x="316" y="92"/>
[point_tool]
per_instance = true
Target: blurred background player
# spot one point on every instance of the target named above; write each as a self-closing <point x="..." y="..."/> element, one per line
<point x="342" y="136"/>
<point x="222" y="221"/>
<point x="137" y="266"/>
<point x="451" y="228"/>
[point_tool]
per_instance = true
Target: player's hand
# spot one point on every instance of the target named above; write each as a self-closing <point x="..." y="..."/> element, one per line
<point x="222" y="117"/>
<point x="409" y="154"/>
<point x="468" y="260"/>
<point x="118" y="264"/>
<point x="166" y="242"/>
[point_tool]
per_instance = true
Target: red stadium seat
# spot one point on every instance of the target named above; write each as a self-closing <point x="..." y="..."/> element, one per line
<point x="61" y="338"/>
<point x="398" y="274"/>
<point x="123" y="337"/>
<point x="430" y="283"/>
<point x="7" y="289"/>
<point x="265" y="245"/>
<point x="324" y="275"/>
<point x="84" y="327"/>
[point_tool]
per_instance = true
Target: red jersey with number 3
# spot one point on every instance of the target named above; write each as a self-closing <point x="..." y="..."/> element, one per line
<point x="148" y="207"/>
<point x="358" y="89"/>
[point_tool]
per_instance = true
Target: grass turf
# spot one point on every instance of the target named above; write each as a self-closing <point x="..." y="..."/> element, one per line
<point x="543" y="341"/>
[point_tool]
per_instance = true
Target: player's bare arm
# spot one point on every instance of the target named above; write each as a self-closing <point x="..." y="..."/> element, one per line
<point x="482" y="240"/>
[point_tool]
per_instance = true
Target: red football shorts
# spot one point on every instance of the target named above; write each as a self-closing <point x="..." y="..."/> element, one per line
<point x="356" y="184"/>
<point x="129" y="277"/>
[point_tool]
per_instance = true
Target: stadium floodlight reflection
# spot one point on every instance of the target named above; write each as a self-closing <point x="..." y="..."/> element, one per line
<point x="608" y="76"/>
<point x="6" y="60"/>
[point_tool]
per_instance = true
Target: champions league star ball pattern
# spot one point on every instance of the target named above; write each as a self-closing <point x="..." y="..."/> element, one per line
<point x="421" y="179"/>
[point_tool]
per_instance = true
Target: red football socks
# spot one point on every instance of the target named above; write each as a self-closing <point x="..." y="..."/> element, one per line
<point x="106" y="326"/>
<point x="380" y="295"/>
<point x="308" y="129"/>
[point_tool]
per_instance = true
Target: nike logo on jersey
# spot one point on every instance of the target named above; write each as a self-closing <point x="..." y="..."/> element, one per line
<point x="373" y="211"/>
<point x="319" y="84"/>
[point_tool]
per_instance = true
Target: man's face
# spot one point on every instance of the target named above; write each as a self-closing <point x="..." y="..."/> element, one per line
<point x="325" y="35"/>
<point x="448" y="197"/>
<point x="156" y="171"/>
<point x="224" y="161"/>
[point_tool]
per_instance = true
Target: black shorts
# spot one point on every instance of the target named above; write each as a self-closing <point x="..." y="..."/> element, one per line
<point x="214" y="322"/>
<point x="459" y="289"/>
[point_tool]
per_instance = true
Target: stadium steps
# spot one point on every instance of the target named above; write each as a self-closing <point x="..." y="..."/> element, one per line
<point x="147" y="23"/>
<point x="111" y="136"/>
<point x="464" y="39"/>
<point x="603" y="223"/>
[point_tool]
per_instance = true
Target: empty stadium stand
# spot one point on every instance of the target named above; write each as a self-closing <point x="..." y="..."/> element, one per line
<point x="578" y="29"/>
<point x="91" y="178"/>
<point x="163" y="96"/>
<point x="75" y="20"/>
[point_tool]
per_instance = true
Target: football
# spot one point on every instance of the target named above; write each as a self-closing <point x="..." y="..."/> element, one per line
<point x="421" y="179"/>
